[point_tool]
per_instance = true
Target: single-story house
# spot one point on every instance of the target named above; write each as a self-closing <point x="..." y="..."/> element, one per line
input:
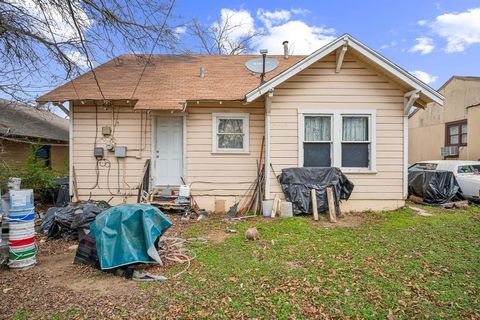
<point x="451" y="131"/>
<point x="21" y="126"/>
<point x="203" y="118"/>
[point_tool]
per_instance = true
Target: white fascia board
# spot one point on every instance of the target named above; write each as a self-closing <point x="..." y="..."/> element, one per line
<point x="396" y="71"/>
<point x="293" y="70"/>
<point x="370" y="54"/>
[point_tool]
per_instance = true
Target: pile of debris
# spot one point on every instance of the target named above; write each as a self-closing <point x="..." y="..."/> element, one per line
<point x="435" y="187"/>
<point x="177" y="202"/>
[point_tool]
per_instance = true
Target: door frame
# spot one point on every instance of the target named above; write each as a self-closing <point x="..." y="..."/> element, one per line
<point x="153" y="125"/>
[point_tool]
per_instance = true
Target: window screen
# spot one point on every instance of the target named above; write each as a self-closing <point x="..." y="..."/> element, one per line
<point x="317" y="141"/>
<point x="230" y="134"/>
<point x="355" y="142"/>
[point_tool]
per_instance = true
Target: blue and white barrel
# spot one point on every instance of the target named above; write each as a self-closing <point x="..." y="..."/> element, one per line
<point x="21" y="218"/>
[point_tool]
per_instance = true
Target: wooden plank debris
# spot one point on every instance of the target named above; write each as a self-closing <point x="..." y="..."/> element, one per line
<point x="313" y="193"/>
<point x="332" y="214"/>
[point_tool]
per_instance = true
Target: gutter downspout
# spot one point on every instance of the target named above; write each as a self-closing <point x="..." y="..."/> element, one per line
<point x="70" y="150"/>
<point x="268" y="107"/>
<point x="409" y="100"/>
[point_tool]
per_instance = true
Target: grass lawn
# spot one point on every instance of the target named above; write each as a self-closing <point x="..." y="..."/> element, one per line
<point x="387" y="265"/>
<point x="394" y="265"/>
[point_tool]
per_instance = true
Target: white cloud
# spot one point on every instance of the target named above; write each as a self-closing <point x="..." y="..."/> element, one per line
<point x="62" y="29"/>
<point x="78" y="58"/>
<point x="273" y="17"/>
<point x="422" y="22"/>
<point x="275" y="27"/>
<point x="460" y="30"/>
<point x="241" y="25"/>
<point x="389" y="45"/>
<point x="424" y="76"/>
<point x="424" y="45"/>
<point x="58" y="29"/>
<point x="180" y="30"/>
<point x="312" y="37"/>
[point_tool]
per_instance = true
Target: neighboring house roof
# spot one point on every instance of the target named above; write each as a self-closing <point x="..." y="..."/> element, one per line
<point x="23" y="120"/>
<point x="168" y="80"/>
<point x="349" y="42"/>
<point x="464" y="78"/>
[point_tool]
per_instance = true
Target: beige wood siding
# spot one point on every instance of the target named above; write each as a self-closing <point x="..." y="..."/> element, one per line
<point x="221" y="175"/>
<point x="357" y="86"/>
<point x="124" y="175"/>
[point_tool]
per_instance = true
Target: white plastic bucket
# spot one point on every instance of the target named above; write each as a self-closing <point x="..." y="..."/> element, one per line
<point x="267" y="206"/>
<point x="20" y="231"/>
<point x="287" y="209"/>
<point x="23" y="264"/>
<point x="14" y="183"/>
<point x="184" y="191"/>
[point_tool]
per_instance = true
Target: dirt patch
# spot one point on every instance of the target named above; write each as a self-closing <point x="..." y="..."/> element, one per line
<point x="350" y="220"/>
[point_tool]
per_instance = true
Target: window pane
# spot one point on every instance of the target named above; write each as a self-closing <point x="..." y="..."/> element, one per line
<point x="464" y="128"/>
<point x="230" y="141"/>
<point x="355" y="128"/>
<point x="454" y="139"/>
<point x="355" y="155"/>
<point x="317" y="128"/>
<point x="230" y="125"/>
<point x="464" y="138"/>
<point x="316" y="154"/>
<point x="453" y="130"/>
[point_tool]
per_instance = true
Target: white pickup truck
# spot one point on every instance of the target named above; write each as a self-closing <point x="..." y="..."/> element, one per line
<point x="467" y="174"/>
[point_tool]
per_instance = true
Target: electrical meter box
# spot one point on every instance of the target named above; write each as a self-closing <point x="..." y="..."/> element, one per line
<point x="120" y="151"/>
<point x="98" y="152"/>
<point x="106" y="131"/>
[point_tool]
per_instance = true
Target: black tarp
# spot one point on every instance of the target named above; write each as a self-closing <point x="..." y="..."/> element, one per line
<point x="434" y="186"/>
<point x="297" y="182"/>
<point x="64" y="222"/>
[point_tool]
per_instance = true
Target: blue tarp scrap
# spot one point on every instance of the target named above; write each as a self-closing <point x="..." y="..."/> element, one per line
<point x="127" y="234"/>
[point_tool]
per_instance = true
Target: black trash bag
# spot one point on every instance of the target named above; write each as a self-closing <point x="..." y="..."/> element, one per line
<point x="57" y="222"/>
<point x="434" y="186"/>
<point x="65" y="222"/>
<point x="297" y="182"/>
<point x="85" y="214"/>
<point x="62" y="194"/>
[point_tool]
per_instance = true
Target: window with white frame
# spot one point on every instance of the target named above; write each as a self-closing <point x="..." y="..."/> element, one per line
<point x="230" y="132"/>
<point x="339" y="138"/>
<point x="355" y="141"/>
<point x="317" y="143"/>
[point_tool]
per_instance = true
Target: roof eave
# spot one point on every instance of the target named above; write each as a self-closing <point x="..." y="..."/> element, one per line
<point x="427" y="91"/>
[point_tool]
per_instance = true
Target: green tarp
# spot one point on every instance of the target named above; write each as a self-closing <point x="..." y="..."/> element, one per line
<point x="128" y="233"/>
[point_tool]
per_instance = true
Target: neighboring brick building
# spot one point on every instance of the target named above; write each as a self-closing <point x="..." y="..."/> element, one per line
<point x="22" y="125"/>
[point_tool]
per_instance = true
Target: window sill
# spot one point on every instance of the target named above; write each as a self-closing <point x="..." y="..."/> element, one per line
<point x="230" y="152"/>
<point x="354" y="170"/>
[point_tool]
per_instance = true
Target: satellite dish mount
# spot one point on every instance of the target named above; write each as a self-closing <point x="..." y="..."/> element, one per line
<point x="262" y="65"/>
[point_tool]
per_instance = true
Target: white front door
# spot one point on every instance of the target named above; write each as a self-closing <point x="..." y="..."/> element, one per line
<point x="169" y="151"/>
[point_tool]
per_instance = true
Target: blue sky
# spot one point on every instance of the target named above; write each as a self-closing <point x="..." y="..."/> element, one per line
<point x="431" y="39"/>
<point x="435" y="39"/>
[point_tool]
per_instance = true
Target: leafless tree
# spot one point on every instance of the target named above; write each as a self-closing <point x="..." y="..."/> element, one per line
<point x="55" y="40"/>
<point x="227" y="35"/>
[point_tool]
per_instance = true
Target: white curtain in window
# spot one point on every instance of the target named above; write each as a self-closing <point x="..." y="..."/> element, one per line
<point x="230" y="133"/>
<point x="317" y="128"/>
<point x="355" y="129"/>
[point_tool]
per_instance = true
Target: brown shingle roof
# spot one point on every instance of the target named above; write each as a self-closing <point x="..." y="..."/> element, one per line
<point x="168" y="80"/>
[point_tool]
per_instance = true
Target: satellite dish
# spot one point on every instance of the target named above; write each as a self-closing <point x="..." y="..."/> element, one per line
<point x="256" y="65"/>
